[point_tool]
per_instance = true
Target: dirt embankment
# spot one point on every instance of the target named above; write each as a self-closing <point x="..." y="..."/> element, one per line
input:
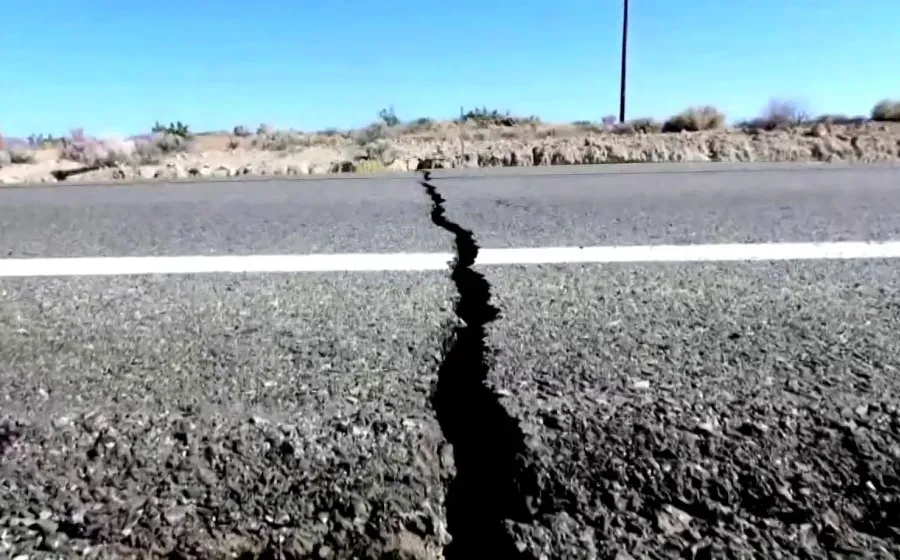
<point x="450" y="146"/>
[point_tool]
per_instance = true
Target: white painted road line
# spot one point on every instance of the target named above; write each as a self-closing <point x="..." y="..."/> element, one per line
<point x="374" y="262"/>
<point x="692" y="253"/>
<point x="204" y="264"/>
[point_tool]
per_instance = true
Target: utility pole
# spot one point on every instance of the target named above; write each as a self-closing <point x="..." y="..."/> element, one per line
<point x="624" y="63"/>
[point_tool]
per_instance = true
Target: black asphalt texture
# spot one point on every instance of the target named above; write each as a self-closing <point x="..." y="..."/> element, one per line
<point x="732" y="410"/>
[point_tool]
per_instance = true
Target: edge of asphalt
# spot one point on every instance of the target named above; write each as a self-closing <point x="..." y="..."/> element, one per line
<point x="483" y="173"/>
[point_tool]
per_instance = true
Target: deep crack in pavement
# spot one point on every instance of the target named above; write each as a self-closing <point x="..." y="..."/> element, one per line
<point x="492" y="482"/>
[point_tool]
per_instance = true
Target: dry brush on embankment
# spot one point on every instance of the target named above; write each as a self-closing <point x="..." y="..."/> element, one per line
<point x="479" y="138"/>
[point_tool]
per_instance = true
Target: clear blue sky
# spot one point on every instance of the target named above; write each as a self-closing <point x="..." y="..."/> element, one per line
<point x="117" y="66"/>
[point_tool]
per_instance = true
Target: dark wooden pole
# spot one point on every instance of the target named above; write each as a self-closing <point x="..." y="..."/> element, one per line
<point x="624" y="63"/>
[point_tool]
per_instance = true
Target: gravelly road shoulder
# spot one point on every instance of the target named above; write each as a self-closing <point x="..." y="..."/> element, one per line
<point x="216" y="415"/>
<point x="704" y="411"/>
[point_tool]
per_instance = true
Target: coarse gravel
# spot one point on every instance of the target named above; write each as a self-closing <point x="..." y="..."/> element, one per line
<point x="704" y="411"/>
<point x="209" y="416"/>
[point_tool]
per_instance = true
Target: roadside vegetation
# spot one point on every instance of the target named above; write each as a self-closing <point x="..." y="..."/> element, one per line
<point x="388" y="142"/>
<point x="886" y="110"/>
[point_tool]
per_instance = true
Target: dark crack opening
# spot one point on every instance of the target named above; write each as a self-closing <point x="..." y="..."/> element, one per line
<point x="492" y="484"/>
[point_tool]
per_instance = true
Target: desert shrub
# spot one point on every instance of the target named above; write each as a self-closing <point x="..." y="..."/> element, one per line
<point x="381" y="150"/>
<point x="420" y="124"/>
<point x="97" y="152"/>
<point x="842" y="119"/>
<point x="15" y="152"/>
<point x="279" y="140"/>
<point x="695" y="119"/>
<point x="493" y="117"/>
<point x="241" y="131"/>
<point x="173" y="129"/>
<point x="169" y="143"/>
<point x="153" y="149"/>
<point x="644" y="125"/>
<point x="886" y="110"/>
<point x="264" y="129"/>
<point x="107" y="152"/>
<point x="778" y="114"/>
<point x="785" y="113"/>
<point x="369" y="166"/>
<point x="588" y="126"/>
<point x="637" y="126"/>
<point x="147" y="151"/>
<point x="371" y="133"/>
<point x="20" y="156"/>
<point x="389" y="117"/>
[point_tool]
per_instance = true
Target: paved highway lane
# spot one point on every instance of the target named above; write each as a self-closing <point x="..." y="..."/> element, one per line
<point x="599" y="205"/>
<point x="695" y="205"/>
<point x="215" y="218"/>
<point x="578" y="411"/>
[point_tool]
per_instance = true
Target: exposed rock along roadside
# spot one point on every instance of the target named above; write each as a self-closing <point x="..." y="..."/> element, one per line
<point x="820" y="143"/>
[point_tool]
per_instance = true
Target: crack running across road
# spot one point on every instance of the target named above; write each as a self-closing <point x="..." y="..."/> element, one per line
<point x="491" y="483"/>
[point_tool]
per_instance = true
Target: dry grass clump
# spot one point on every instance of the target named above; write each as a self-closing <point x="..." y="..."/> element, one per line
<point x="382" y="150"/>
<point x="484" y="117"/>
<point x="886" y="110"/>
<point x="842" y="120"/>
<point x="589" y="126"/>
<point x="14" y="156"/>
<point x="108" y="152"/>
<point x="779" y="115"/>
<point x="373" y="133"/>
<point x="695" y="119"/>
<point x="422" y="124"/>
<point x="369" y="166"/>
<point x="90" y="151"/>
<point x="280" y="140"/>
<point x="154" y="149"/>
<point x="638" y="126"/>
<point x="241" y="131"/>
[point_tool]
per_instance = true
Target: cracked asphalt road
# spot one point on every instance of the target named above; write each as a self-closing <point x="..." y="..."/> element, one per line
<point x="647" y="411"/>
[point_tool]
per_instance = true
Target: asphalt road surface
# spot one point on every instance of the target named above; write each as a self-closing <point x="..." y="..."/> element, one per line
<point x="659" y="410"/>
